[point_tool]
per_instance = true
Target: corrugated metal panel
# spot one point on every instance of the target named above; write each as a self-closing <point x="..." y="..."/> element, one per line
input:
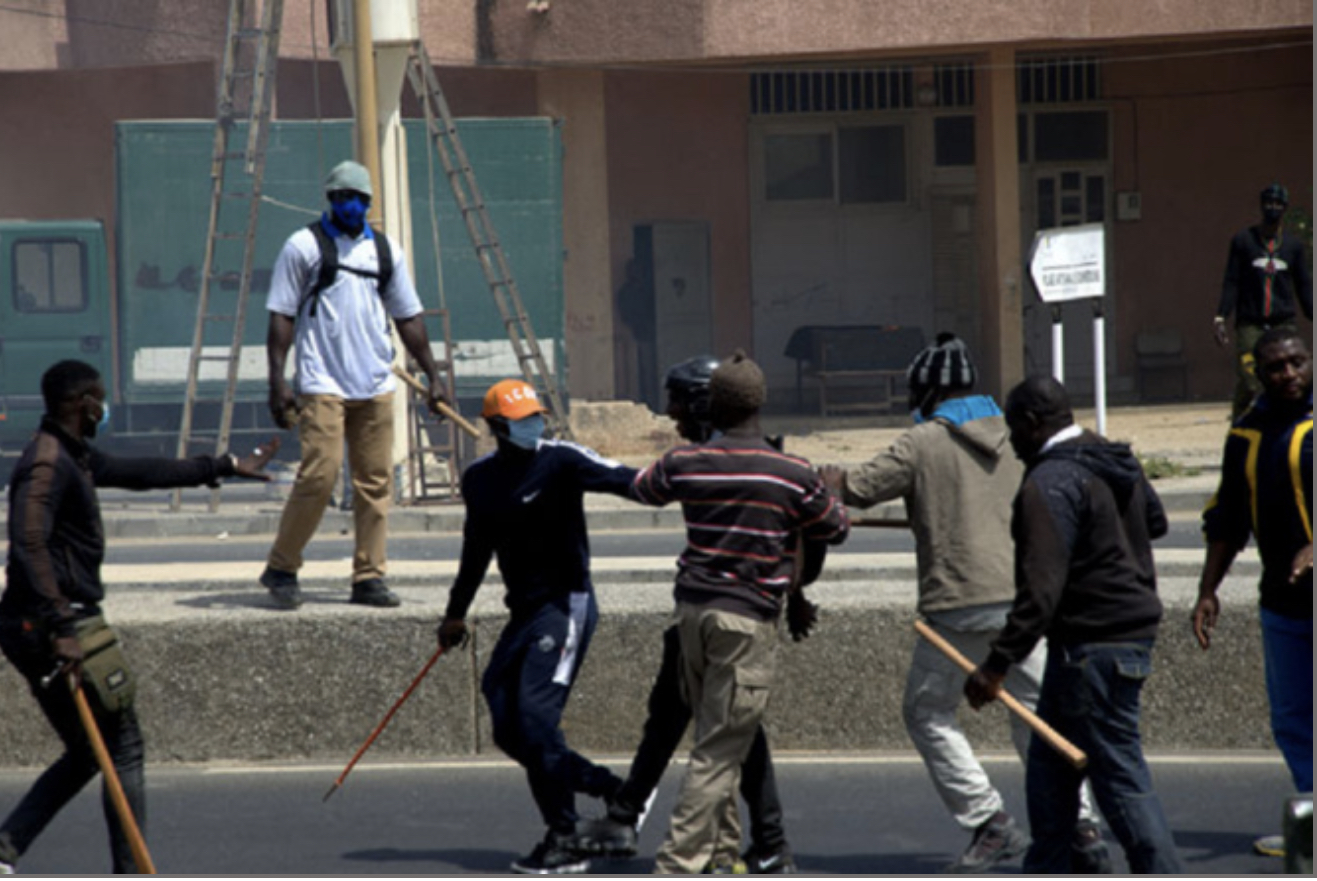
<point x="163" y="189"/>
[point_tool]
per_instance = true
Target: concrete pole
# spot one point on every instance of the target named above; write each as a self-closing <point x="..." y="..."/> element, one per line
<point x="997" y="170"/>
<point x="368" y="139"/>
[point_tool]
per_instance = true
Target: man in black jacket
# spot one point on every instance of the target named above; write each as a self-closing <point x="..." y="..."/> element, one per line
<point x="1083" y="524"/>
<point x="54" y="589"/>
<point x="1267" y="281"/>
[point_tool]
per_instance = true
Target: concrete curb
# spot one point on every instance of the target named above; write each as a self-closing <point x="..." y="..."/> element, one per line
<point x="225" y="678"/>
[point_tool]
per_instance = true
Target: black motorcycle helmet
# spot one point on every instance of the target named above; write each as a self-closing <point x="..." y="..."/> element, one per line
<point x="687" y="384"/>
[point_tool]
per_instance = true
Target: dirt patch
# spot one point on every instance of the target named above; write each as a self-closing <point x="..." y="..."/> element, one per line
<point x="1190" y="434"/>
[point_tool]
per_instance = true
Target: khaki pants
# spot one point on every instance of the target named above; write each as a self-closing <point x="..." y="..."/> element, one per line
<point x="324" y="423"/>
<point x="727" y="663"/>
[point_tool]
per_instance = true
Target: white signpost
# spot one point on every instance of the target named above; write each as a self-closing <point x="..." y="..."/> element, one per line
<point x="1069" y="264"/>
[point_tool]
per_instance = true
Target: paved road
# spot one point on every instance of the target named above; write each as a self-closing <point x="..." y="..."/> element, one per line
<point x="845" y="815"/>
<point x="1184" y="534"/>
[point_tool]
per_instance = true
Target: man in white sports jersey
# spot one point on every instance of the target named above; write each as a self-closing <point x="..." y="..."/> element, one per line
<point x="335" y="286"/>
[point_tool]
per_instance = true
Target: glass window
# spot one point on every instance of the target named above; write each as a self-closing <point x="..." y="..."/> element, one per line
<point x="1046" y="203"/>
<point x="1095" y="199"/>
<point x="798" y="167"/>
<point x="50" y="276"/>
<point x="872" y="160"/>
<point x="953" y="140"/>
<point x="1072" y="136"/>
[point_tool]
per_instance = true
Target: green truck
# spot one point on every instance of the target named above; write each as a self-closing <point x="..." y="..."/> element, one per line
<point x="61" y="295"/>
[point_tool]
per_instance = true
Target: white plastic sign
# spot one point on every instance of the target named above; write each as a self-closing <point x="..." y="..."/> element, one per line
<point x="1069" y="263"/>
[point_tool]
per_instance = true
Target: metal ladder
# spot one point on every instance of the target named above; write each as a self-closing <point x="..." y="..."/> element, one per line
<point x="434" y="457"/>
<point x="471" y="203"/>
<point x="246" y="91"/>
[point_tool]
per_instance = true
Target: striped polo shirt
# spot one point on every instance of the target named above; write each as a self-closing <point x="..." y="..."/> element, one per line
<point x="746" y="507"/>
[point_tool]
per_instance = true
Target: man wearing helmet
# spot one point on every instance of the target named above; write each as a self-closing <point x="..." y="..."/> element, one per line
<point x="955" y="471"/>
<point x="687" y="385"/>
<point x="524" y="505"/>
<point x="1267" y="280"/>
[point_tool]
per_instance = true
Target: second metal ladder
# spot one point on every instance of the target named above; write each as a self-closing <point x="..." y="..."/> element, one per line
<point x="471" y="204"/>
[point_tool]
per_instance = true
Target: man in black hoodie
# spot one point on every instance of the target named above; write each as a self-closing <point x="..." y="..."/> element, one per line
<point x="1083" y="524"/>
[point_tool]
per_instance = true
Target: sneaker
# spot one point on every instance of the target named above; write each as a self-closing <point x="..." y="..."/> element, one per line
<point x="776" y="862"/>
<point x="372" y="592"/>
<point x="736" y="868"/>
<point x="1088" y="852"/>
<point x="283" y="588"/>
<point x="555" y="855"/>
<point x="1269" y="846"/>
<point x="7" y="868"/>
<point x="609" y="837"/>
<point x="998" y="839"/>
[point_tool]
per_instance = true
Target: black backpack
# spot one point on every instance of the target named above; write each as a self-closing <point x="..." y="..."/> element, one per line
<point x="329" y="265"/>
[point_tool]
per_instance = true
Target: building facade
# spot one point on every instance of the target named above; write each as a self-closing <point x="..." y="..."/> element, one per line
<point x="743" y="173"/>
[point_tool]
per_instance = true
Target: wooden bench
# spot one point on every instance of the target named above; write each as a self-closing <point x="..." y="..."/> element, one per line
<point x="858" y="368"/>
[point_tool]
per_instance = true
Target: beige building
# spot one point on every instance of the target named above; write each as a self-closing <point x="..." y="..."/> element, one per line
<point x="771" y="167"/>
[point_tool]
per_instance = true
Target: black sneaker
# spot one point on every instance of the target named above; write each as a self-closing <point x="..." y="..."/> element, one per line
<point x="555" y="855"/>
<point x="608" y="837"/>
<point x="372" y="592"/>
<point x="1088" y="852"/>
<point x="766" y="862"/>
<point x="998" y="839"/>
<point x="282" y="587"/>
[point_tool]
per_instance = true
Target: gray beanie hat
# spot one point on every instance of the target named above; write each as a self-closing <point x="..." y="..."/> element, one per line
<point x="944" y="366"/>
<point x="349" y="175"/>
<point x="736" y="390"/>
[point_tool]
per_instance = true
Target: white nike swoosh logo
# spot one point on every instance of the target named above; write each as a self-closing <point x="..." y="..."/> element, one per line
<point x="530" y="497"/>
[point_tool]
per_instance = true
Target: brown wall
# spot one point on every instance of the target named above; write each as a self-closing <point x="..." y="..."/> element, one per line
<point x="1198" y="138"/>
<point x="677" y="150"/>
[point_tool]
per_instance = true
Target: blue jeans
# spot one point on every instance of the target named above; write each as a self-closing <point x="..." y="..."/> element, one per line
<point x="529" y="678"/>
<point x="28" y="649"/>
<point x="1090" y="694"/>
<point x="1287" y="646"/>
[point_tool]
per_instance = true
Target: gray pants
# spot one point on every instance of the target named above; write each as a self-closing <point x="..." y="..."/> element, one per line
<point x="933" y="693"/>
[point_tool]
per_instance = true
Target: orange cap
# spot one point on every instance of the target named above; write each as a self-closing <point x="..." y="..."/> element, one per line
<point x="512" y="399"/>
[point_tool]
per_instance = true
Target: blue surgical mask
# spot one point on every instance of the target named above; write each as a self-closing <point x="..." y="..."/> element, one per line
<point x="526" y="433"/>
<point x="350" y="212"/>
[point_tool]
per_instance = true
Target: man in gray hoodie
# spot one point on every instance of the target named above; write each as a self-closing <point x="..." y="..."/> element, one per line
<point x="957" y="475"/>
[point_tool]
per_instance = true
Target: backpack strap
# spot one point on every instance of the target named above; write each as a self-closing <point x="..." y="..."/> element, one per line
<point x="329" y="265"/>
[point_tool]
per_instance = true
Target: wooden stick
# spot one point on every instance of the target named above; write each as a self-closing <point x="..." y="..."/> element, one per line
<point x="448" y="411"/>
<point x="137" y="844"/>
<point x="1073" y="754"/>
<point x="882" y="522"/>
<point x="380" y="727"/>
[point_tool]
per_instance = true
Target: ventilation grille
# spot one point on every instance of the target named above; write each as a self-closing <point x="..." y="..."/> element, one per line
<point x="832" y="91"/>
<point x="1059" y="80"/>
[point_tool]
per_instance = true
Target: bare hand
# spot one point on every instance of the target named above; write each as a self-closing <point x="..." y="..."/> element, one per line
<point x="1222" y="335"/>
<point x="435" y="397"/>
<point x="834" y="477"/>
<point x="802" y="615"/>
<point x="1302" y="564"/>
<point x="283" y="404"/>
<point x="982" y="687"/>
<point x="1206" y="612"/>
<point x="453" y="633"/>
<point x="68" y="651"/>
<point x="253" y="466"/>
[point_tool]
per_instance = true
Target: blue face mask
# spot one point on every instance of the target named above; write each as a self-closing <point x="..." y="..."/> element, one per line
<point x="105" y="416"/>
<point x="526" y="433"/>
<point x="350" y="212"/>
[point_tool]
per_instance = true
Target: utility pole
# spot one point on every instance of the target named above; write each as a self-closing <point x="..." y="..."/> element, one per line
<point x="368" y="138"/>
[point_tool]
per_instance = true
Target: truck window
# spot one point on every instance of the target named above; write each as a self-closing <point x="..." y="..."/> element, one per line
<point x="50" y="275"/>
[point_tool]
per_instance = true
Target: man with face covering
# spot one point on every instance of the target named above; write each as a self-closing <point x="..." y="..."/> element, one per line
<point x="956" y="474"/>
<point x="1267" y="280"/>
<point x="524" y="505"/>
<point x="52" y="599"/>
<point x="335" y="287"/>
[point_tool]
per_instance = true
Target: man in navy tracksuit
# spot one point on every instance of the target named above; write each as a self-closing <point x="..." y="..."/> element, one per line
<point x="524" y="505"/>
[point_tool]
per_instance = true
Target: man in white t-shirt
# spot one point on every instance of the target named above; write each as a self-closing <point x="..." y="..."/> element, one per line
<point x="336" y="285"/>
